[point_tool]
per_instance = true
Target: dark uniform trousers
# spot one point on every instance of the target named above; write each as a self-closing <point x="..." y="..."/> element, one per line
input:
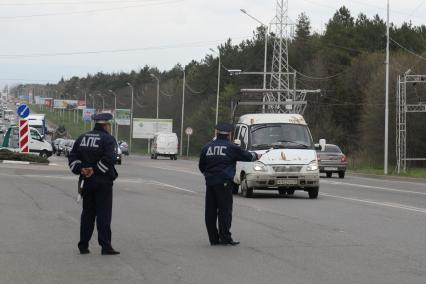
<point x="97" y="204"/>
<point x="219" y="208"/>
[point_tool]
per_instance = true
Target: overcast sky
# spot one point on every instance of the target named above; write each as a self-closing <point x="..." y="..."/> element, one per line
<point x="157" y="33"/>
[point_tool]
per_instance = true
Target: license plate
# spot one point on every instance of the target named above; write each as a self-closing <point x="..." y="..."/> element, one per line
<point x="330" y="169"/>
<point x="286" y="182"/>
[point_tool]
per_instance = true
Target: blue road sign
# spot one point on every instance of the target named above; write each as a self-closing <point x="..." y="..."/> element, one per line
<point x="23" y="111"/>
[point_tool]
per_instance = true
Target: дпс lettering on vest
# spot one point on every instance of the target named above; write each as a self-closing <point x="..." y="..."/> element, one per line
<point x="216" y="151"/>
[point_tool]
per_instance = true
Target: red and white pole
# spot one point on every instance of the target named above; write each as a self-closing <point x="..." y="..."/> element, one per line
<point x="24" y="132"/>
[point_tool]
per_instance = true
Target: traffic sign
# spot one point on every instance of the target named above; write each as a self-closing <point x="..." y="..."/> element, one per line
<point x="24" y="132"/>
<point x="23" y="111"/>
<point x="189" y="131"/>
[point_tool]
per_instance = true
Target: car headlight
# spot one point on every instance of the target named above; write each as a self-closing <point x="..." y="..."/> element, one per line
<point x="259" y="167"/>
<point x="313" y="166"/>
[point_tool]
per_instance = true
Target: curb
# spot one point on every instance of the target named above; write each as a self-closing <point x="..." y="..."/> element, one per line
<point x="10" y="162"/>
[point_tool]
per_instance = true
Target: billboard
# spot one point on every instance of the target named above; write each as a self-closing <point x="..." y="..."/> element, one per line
<point x="81" y="104"/>
<point x="122" y="116"/>
<point x="65" y="104"/>
<point x="146" y="128"/>
<point x="48" y="102"/>
<point x="87" y="114"/>
<point x="39" y="100"/>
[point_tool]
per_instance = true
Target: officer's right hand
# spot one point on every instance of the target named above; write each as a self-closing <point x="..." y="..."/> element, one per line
<point x="87" y="172"/>
<point x="258" y="156"/>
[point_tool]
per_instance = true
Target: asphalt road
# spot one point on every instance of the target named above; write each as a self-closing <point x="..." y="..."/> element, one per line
<point x="359" y="230"/>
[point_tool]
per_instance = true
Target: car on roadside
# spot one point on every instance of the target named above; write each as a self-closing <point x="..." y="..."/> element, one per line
<point x="123" y="147"/>
<point x="61" y="147"/>
<point x="55" y="144"/>
<point x="68" y="147"/>
<point x="332" y="160"/>
<point x="119" y="153"/>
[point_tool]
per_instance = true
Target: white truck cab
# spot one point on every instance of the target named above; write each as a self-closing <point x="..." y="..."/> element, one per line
<point x="289" y="160"/>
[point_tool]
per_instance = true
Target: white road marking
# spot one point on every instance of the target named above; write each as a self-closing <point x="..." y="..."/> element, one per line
<point x="419" y="182"/>
<point x="374" y="187"/>
<point x="372" y="202"/>
<point x="145" y="181"/>
<point x="171" y="186"/>
<point x="173" y="169"/>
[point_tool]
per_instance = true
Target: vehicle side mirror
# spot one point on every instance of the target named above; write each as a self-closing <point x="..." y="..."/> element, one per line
<point x="237" y="142"/>
<point x="322" y="143"/>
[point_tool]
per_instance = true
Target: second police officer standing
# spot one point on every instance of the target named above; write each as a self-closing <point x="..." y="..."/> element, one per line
<point x="217" y="162"/>
<point x="93" y="157"/>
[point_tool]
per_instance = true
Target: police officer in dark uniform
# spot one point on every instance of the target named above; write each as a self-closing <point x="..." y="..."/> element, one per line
<point x="93" y="158"/>
<point x="217" y="162"/>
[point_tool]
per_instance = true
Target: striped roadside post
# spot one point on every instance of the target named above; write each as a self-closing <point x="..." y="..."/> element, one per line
<point x="23" y="136"/>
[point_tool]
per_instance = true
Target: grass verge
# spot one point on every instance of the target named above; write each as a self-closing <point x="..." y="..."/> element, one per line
<point x="13" y="156"/>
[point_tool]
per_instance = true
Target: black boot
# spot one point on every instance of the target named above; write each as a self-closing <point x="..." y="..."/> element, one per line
<point x="109" y="251"/>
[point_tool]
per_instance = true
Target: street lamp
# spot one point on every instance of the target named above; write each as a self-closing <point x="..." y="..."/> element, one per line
<point x="93" y="101"/>
<point x="183" y="110"/>
<point x="218" y="85"/>
<point x="158" y="90"/>
<point x="103" y="101"/>
<point x="131" y="117"/>
<point x="266" y="48"/>
<point x="115" y="113"/>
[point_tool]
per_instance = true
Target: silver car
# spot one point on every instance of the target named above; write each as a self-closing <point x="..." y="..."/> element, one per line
<point x="332" y="160"/>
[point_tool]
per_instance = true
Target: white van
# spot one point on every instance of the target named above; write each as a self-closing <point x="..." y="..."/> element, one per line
<point x="166" y="145"/>
<point x="289" y="160"/>
<point x="38" y="121"/>
<point x="37" y="144"/>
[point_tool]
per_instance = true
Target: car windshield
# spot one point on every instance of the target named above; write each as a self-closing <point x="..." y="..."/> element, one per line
<point x="280" y="135"/>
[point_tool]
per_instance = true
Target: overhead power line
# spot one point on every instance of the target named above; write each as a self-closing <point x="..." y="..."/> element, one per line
<point x="58" y="3"/>
<point x="157" y="3"/>
<point x="91" y="52"/>
<point x="408" y="50"/>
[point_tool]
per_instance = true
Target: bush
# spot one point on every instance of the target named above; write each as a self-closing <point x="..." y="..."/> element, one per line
<point x="13" y="156"/>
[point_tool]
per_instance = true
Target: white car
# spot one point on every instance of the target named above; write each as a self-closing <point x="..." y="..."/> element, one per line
<point x="289" y="160"/>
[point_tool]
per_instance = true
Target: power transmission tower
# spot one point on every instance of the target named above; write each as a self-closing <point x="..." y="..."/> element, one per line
<point x="282" y="95"/>
<point x="402" y="108"/>
<point x="283" y="82"/>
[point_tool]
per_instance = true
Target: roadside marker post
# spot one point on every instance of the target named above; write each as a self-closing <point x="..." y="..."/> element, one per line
<point x="24" y="129"/>
<point x="23" y="136"/>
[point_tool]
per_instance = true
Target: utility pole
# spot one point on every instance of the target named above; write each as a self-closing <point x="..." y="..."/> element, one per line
<point x="387" y="95"/>
<point x="131" y="119"/>
<point x="183" y="111"/>
<point x="218" y="85"/>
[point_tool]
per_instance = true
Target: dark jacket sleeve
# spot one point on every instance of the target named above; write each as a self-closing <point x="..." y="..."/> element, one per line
<point x="74" y="158"/>
<point x="107" y="161"/>
<point x="242" y="155"/>
<point x="202" y="161"/>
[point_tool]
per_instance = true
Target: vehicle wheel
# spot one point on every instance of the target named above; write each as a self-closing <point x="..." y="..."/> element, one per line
<point x="43" y="154"/>
<point x="313" y="193"/>
<point x="245" y="190"/>
<point x="235" y="188"/>
<point x="290" y="192"/>
<point x="152" y="156"/>
<point x="281" y="191"/>
<point x="58" y="154"/>
<point x="341" y="174"/>
<point x="329" y="174"/>
<point x="172" y="158"/>
<point x="175" y="157"/>
<point x="155" y="156"/>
